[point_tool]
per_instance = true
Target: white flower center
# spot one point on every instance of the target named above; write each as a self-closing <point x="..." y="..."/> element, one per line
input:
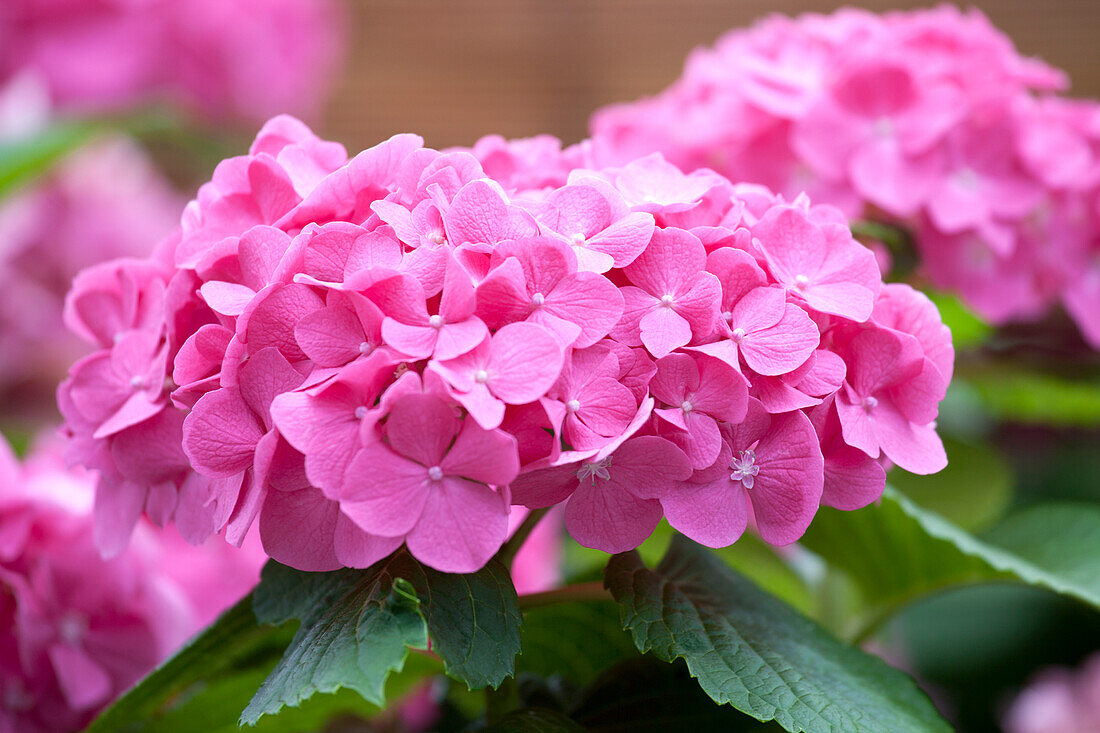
<point x="737" y="335"/>
<point x="801" y="281"/>
<point x="727" y="316"/>
<point x="884" y="127"/>
<point x="435" y="473"/>
<point x="360" y="412"/>
<point x="72" y="627"/>
<point x="667" y="301"/>
<point x="745" y="469"/>
<point x="595" y="470"/>
<point x="435" y="237"/>
<point x="538" y="299"/>
<point x="365" y="348"/>
<point x="435" y="321"/>
<point x="481" y="376"/>
<point x="686" y="407"/>
<point x="967" y="179"/>
<point x="578" y="239"/>
<point x="137" y="381"/>
<point x="869" y="403"/>
<point x="573" y="405"/>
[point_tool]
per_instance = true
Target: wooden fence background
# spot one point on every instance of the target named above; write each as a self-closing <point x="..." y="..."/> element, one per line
<point x="454" y="70"/>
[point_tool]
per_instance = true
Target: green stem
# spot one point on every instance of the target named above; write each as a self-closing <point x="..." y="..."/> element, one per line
<point x="510" y="548"/>
<point x="593" y="591"/>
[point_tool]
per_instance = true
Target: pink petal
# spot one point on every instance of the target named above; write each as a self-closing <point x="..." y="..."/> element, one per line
<point x="220" y="434"/>
<point x="462" y="526"/>
<point x="357" y="549"/>
<point x="293" y="528"/>
<point x="83" y="681"/>
<point x="421" y="427"/>
<point x="229" y="299"/>
<point x="663" y="331"/>
<point x="383" y="492"/>
<point x="787" y="492"/>
<point x="783" y="347"/>
<point x="710" y="513"/>
<point x="648" y="466"/>
<point x="488" y="456"/>
<point x="525" y="361"/>
<point x="603" y="516"/>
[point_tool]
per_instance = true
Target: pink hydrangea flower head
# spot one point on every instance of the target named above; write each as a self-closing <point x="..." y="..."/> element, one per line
<point x="354" y="355"/>
<point x="79" y="629"/>
<point x="926" y="120"/>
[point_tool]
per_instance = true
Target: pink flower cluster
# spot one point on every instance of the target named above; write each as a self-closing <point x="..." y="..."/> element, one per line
<point x="393" y="349"/>
<point x="245" y="58"/>
<point x="927" y="118"/>
<point x="76" y="630"/>
<point x="1059" y="700"/>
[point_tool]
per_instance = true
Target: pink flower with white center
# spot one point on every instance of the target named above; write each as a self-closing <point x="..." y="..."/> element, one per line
<point x="480" y="214"/>
<point x="819" y="263"/>
<point x="890" y="400"/>
<point x="770" y="468"/>
<point x="591" y="404"/>
<point x="347" y="329"/>
<point x="597" y="223"/>
<point x="515" y="366"/>
<point x="758" y="324"/>
<point x="672" y="298"/>
<point x="410" y="330"/>
<point x="328" y="423"/>
<point x="613" y="505"/>
<point x="432" y="482"/>
<point x="698" y="393"/>
<point x="539" y="283"/>
<point x="852" y="478"/>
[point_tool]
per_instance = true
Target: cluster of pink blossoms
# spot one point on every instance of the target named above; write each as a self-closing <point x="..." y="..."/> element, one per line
<point x="77" y="630"/>
<point x="1059" y="700"/>
<point x="245" y="58"/>
<point x="929" y="119"/>
<point x="396" y="348"/>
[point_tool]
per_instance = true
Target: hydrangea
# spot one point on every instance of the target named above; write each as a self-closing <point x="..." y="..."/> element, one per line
<point x="1058" y="700"/>
<point x="77" y="630"/>
<point x="104" y="201"/>
<point x="395" y="349"/>
<point x="246" y="58"/>
<point x="928" y="119"/>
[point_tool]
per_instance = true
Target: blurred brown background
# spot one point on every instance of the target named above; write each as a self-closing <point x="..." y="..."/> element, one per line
<point x="454" y="70"/>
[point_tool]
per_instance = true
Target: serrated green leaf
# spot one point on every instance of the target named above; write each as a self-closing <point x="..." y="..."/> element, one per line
<point x="474" y="621"/>
<point x="356" y="629"/>
<point x="575" y="640"/>
<point x="896" y="551"/>
<point x="750" y="650"/>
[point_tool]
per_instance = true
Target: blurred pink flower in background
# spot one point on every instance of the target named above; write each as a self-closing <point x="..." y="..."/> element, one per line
<point x="76" y="630"/>
<point x="246" y="59"/>
<point x="103" y="201"/>
<point x="928" y="119"/>
<point x="1059" y="700"/>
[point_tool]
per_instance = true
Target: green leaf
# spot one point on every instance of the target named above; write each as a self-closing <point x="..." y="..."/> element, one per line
<point x="357" y="627"/>
<point x="1018" y="395"/>
<point x="897" y="552"/>
<point x="577" y="640"/>
<point x="534" y="720"/>
<point x="24" y="160"/>
<point x="752" y="651"/>
<point x="974" y="491"/>
<point x="234" y="640"/>
<point x="474" y="621"/>
<point x="967" y="329"/>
